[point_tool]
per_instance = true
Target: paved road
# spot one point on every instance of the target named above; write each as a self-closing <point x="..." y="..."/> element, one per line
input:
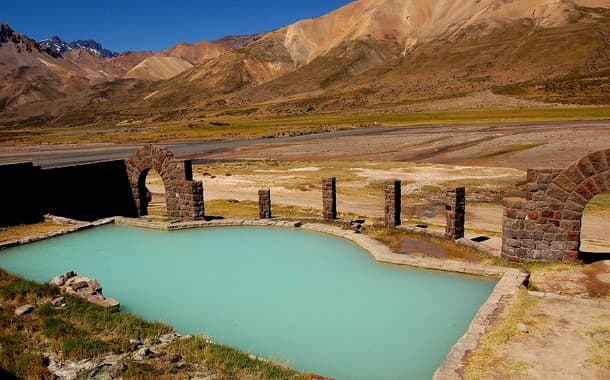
<point x="48" y="156"/>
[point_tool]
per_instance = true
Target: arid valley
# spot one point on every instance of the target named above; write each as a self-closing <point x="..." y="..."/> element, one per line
<point x="468" y="141"/>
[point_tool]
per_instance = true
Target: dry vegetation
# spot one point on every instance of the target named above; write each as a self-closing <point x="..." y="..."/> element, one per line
<point x="229" y="124"/>
<point x="16" y="232"/>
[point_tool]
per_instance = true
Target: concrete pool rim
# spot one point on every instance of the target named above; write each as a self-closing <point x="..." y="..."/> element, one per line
<point x="509" y="283"/>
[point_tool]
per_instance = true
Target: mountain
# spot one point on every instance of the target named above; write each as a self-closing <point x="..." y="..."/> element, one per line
<point x="56" y="45"/>
<point x="367" y="54"/>
<point x="379" y="51"/>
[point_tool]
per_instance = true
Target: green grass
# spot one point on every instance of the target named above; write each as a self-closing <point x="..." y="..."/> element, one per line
<point x="78" y="348"/>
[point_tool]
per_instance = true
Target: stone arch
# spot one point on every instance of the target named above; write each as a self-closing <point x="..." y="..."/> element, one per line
<point x="184" y="196"/>
<point x="547" y="225"/>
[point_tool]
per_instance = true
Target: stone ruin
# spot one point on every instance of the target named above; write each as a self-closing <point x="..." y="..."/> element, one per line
<point x="184" y="196"/>
<point x="546" y="226"/>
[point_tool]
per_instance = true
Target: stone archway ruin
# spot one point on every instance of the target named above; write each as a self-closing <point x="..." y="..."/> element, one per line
<point x="546" y="226"/>
<point x="184" y="196"/>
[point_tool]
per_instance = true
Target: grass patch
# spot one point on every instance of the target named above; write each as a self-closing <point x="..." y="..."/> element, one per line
<point x="232" y="209"/>
<point x="600" y="350"/>
<point x="17" y="232"/>
<point x="244" y="126"/>
<point x="236" y="364"/>
<point x="503" y="332"/>
<point x="517" y="148"/>
<point x="392" y="238"/>
<point x="79" y="347"/>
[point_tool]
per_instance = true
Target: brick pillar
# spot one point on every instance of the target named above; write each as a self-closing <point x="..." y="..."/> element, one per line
<point x="329" y="198"/>
<point x="392" y="203"/>
<point x="264" y="203"/>
<point x="455" y="211"/>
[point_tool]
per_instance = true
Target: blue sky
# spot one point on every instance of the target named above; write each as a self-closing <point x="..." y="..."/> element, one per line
<point x="153" y="24"/>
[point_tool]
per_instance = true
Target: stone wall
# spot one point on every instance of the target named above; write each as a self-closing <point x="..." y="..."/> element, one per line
<point x="264" y="203"/>
<point x="184" y="196"/>
<point x="329" y="198"/>
<point x="392" y="192"/>
<point x="546" y="225"/>
<point x="455" y="214"/>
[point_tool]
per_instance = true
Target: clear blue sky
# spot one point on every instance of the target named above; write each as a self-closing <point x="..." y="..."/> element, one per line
<point x="153" y="24"/>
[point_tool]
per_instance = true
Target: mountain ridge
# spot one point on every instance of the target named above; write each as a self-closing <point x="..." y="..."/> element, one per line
<point x="374" y="52"/>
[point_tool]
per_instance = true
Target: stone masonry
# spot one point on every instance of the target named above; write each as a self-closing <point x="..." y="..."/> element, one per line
<point x="264" y="203"/>
<point x="546" y="225"/>
<point x="329" y="198"/>
<point x="455" y="212"/>
<point x="392" y="191"/>
<point x="184" y="196"/>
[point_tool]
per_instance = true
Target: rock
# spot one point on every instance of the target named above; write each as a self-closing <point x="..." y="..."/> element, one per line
<point x="171" y="358"/>
<point x="117" y="369"/>
<point x="58" y="280"/>
<point x="77" y="285"/>
<point x="62" y="278"/>
<point x="57" y="301"/>
<point x="143" y="353"/>
<point x="25" y="309"/>
<point x="523" y="328"/>
<point x="94" y="285"/>
<point x="135" y="343"/>
<point x="169" y="338"/>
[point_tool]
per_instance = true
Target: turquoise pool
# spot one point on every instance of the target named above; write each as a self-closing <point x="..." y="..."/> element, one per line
<point x="311" y="301"/>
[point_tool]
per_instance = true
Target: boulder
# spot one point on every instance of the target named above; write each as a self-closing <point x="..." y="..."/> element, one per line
<point x="117" y="369"/>
<point x="86" y="288"/>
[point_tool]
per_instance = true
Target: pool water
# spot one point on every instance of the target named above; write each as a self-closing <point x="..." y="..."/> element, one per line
<point x="311" y="301"/>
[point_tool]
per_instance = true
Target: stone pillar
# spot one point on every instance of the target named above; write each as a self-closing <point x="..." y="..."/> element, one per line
<point x="264" y="203"/>
<point x="329" y="198"/>
<point x="392" y="203"/>
<point x="455" y="212"/>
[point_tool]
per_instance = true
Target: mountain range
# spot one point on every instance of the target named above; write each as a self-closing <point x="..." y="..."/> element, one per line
<point x="367" y="54"/>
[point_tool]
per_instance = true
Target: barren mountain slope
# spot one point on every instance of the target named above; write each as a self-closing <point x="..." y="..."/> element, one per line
<point x="157" y="67"/>
<point x="195" y="53"/>
<point x="387" y="50"/>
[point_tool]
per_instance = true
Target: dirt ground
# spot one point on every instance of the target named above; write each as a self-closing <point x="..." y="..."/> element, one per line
<point x="565" y="332"/>
<point x="512" y="146"/>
